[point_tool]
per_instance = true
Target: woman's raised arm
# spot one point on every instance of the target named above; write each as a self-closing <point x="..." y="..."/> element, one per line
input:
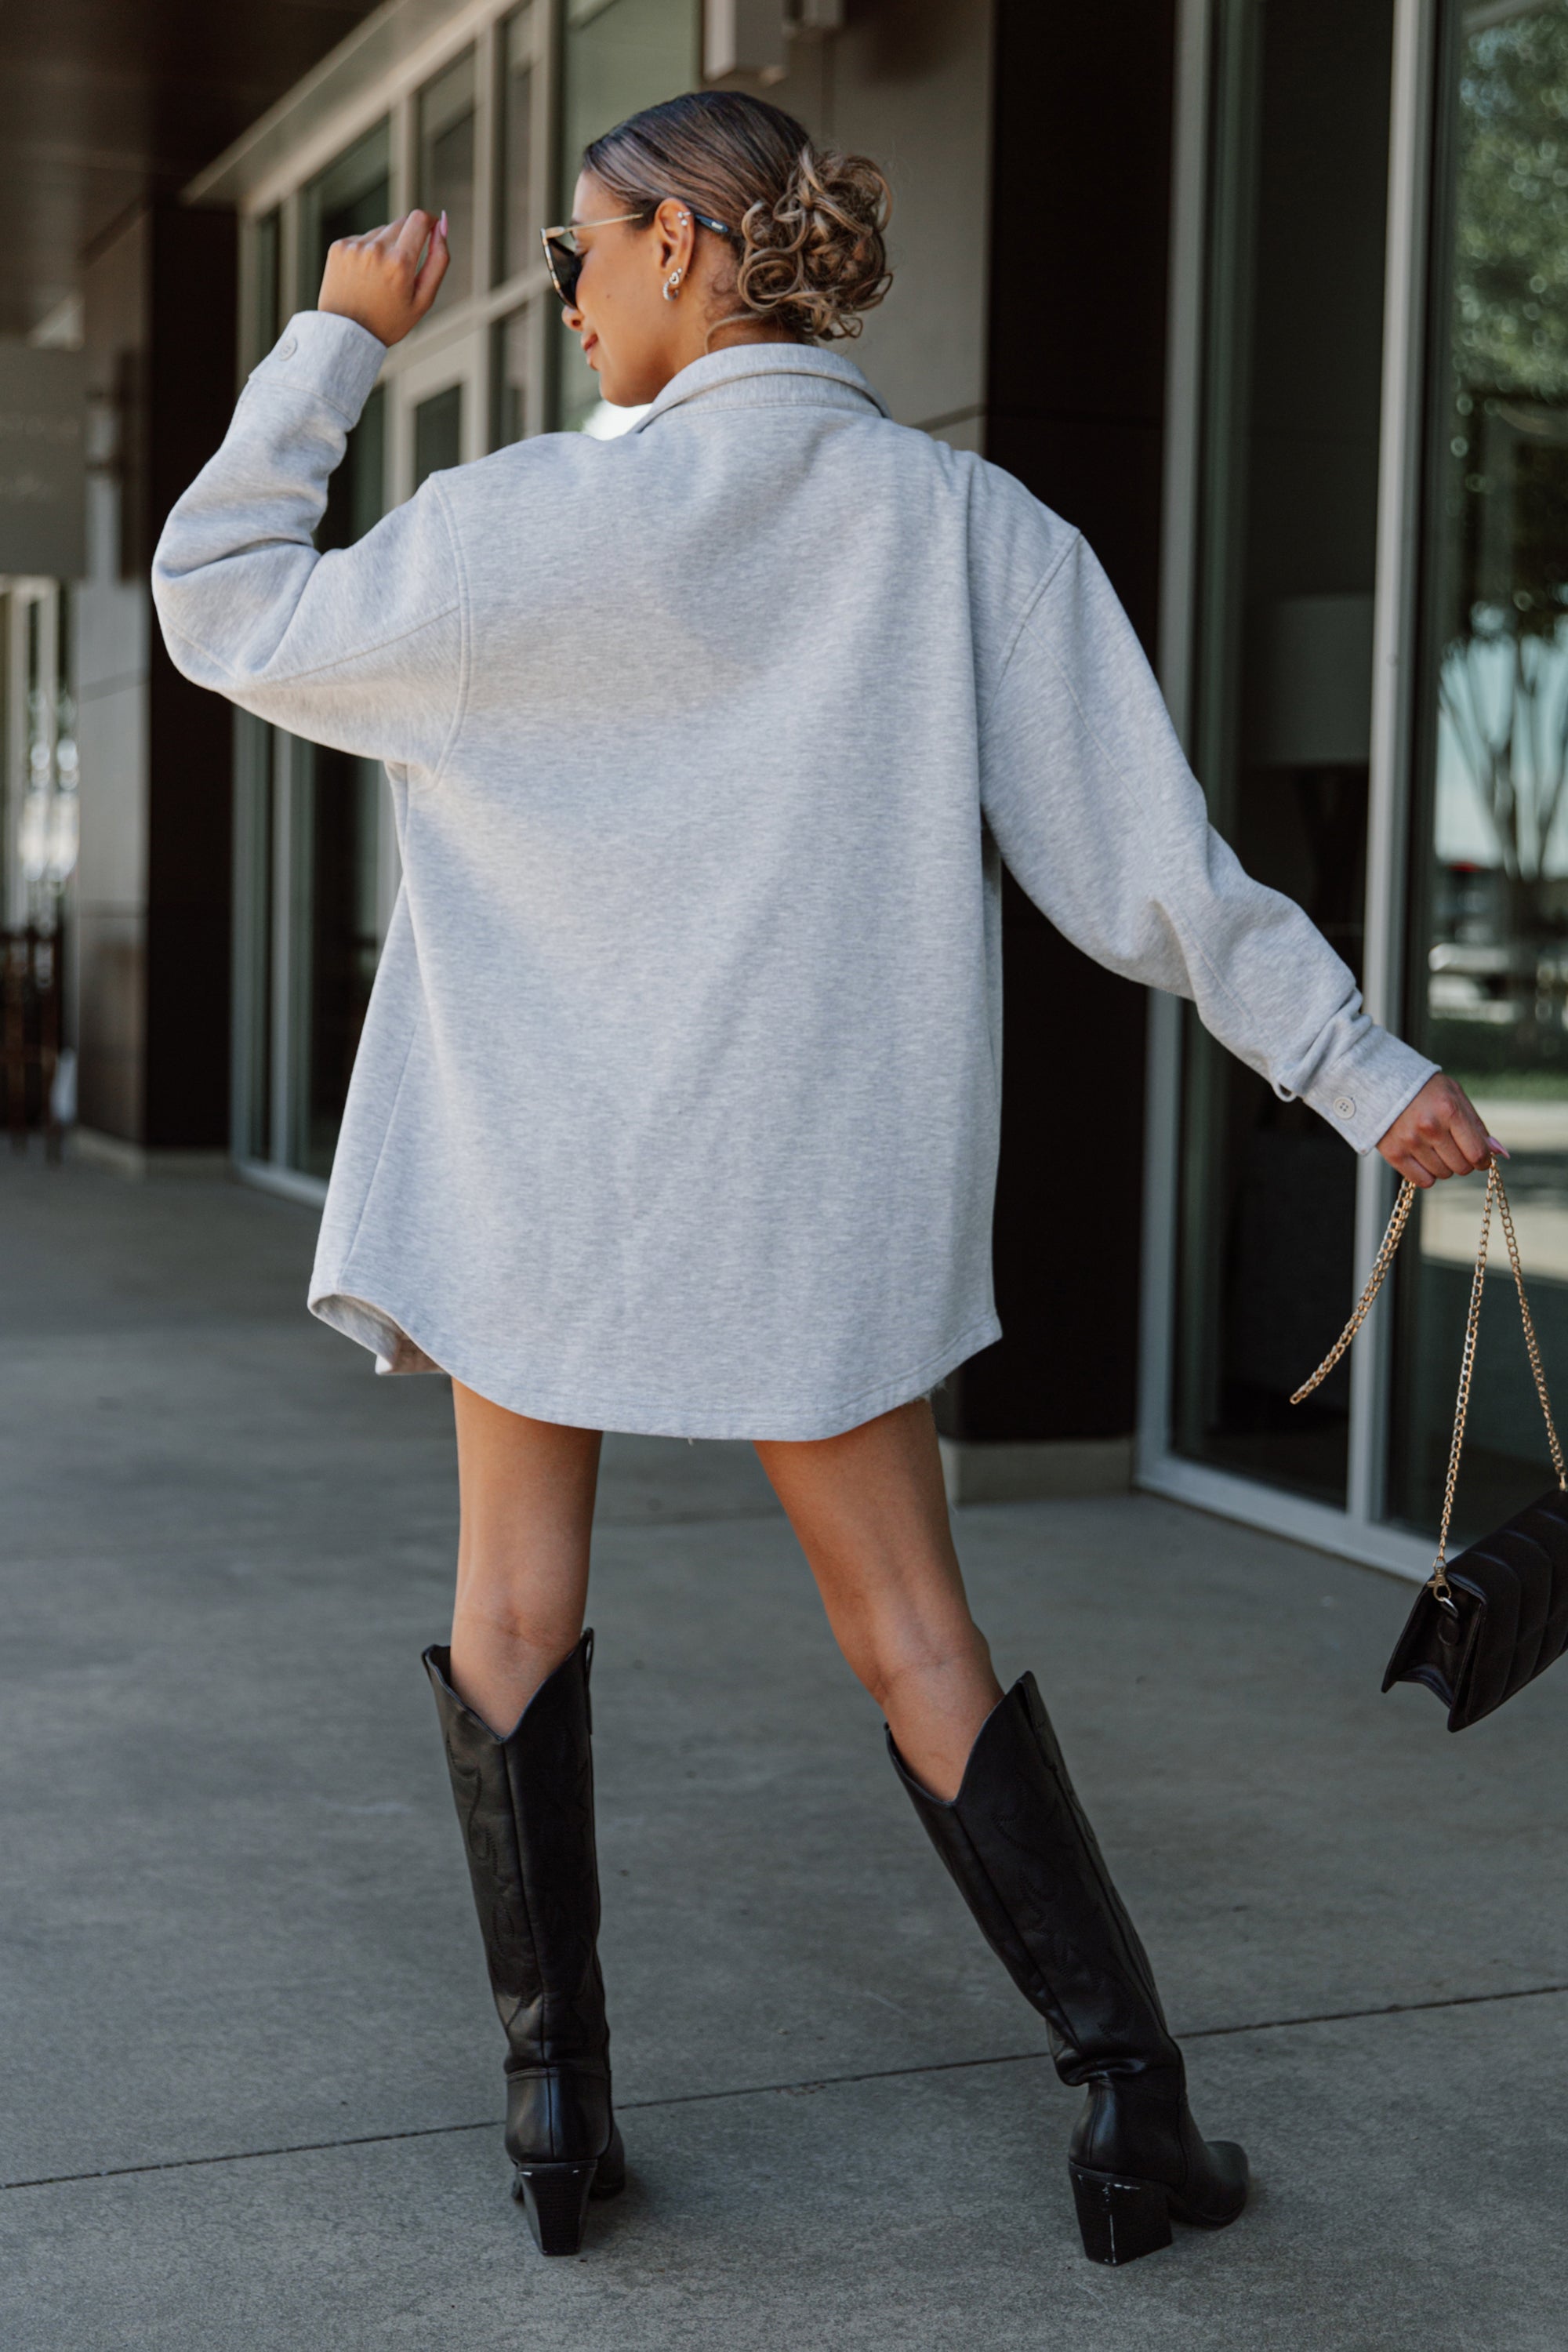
<point x="360" y="647"/>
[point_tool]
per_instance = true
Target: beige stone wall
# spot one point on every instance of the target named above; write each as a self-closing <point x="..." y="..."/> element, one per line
<point x="908" y="82"/>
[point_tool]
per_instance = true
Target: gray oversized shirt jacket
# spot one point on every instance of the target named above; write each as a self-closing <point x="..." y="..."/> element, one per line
<point x="677" y="1104"/>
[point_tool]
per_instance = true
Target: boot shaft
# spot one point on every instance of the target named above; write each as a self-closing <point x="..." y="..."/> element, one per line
<point x="525" y="1803"/>
<point x="1020" y="1849"/>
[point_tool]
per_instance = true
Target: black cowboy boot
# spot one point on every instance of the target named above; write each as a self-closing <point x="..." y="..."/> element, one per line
<point x="526" y="1804"/>
<point x="1027" y="1864"/>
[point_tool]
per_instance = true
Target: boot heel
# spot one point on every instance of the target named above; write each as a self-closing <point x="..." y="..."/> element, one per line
<point x="555" y="2199"/>
<point x="1120" y="2220"/>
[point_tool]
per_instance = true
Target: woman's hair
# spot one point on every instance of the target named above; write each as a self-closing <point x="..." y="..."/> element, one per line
<point x="807" y="222"/>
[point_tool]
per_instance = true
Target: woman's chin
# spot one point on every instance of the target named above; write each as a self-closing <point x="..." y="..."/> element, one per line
<point x="618" y="388"/>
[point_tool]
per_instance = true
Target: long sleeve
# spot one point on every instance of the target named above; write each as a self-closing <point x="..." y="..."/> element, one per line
<point x="1094" y="808"/>
<point x="360" y="647"/>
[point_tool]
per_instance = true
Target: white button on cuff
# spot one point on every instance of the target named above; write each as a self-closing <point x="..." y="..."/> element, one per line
<point x="1344" y="1107"/>
<point x="288" y="347"/>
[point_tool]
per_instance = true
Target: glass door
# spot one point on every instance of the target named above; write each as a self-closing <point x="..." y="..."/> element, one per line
<point x="1488" y="943"/>
<point x="1299" y="109"/>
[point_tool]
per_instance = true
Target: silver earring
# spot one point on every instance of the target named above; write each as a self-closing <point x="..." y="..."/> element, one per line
<point x="672" y="286"/>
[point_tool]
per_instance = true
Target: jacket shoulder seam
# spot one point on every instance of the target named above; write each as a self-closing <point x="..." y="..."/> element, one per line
<point x="1222" y="985"/>
<point x="344" y="661"/>
<point x="464" y="610"/>
<point x="1031" y="606"/>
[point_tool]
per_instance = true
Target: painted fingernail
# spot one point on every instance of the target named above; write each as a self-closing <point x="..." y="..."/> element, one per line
<point x="441" y="223"/>
<point x="1495" y="1146"/>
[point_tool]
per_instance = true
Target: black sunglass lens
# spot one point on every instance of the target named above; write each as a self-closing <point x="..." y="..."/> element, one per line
<point x="565" y="267"/>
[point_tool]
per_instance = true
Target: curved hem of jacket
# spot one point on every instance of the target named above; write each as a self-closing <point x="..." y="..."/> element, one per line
<point x="388" y="1337"/>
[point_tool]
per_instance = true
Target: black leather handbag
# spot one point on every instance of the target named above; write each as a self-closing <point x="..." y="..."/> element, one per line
<point x="1491" y="1621"/>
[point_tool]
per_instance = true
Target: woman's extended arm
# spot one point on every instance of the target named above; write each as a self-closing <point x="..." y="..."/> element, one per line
<point x="1093" y="806"/>
<point x="360" y="647"/>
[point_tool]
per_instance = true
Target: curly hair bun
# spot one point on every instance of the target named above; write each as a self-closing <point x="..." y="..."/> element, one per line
<point x="815" y="256"/>
<point x="806" y="222"/>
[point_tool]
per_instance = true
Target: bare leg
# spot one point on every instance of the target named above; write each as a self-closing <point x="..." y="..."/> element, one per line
<point x="870" y="1511"/>
<point x="526" y="1490"/>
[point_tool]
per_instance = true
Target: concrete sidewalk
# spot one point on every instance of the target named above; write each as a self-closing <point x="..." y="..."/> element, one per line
<point x="251" y="2068"/>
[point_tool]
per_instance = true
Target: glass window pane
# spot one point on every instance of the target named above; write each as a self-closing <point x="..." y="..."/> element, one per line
<point x="266" y="323"/>
<point x="1282" y="695"/>
<point x="64" y="826"/>
<point x="356" y="491"/>
<point x="511" y="369"/>
<point x="335" y="842"/>
<point x="255" y="744"/>
<point x="335" y="939"/>
<point x="9" y="791"/>
<point x="33" y="832"/>
<point x="517" y="243"/>
<point x="620" y="55"/>
<point x="438" y="432"/>
<point x="444" y="166"/>
<point x="1488" y="978"/>
<point x="353" y="194"/>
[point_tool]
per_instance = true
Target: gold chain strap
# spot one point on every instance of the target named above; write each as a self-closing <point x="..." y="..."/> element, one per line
<point x="1380" y="1266"/>
<point x="1383" y="1260"/>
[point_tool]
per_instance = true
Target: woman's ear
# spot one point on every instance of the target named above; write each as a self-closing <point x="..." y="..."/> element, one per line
<point x="675" y="237"/>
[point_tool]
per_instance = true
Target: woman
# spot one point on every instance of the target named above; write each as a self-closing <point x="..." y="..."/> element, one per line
<point x="677" y="1104"/>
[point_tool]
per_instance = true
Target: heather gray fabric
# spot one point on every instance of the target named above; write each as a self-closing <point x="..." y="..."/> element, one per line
<point x="677" y="1104"/>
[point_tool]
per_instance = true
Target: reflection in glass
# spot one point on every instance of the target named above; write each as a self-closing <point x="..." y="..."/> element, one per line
<point x="438" y="432"/>
<point x="620" y="55"/>
<point x="38" y="776"/>
<point x="443" y="168"/>
<point x="517" y="244"/>
<point x="65" y="818"/>
<point x="1489" y="982"/>
<point x="1282" y="692"/>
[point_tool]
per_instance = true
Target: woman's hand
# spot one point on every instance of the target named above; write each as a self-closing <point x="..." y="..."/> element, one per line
<point x="376" y="279"/>
<point x="1439" y="1134"/>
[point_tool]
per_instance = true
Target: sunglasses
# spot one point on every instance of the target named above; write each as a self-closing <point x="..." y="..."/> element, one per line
<point x="563" y="257"/>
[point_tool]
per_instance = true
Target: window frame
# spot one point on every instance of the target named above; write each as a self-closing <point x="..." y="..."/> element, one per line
<point x="1359" y="1531"/>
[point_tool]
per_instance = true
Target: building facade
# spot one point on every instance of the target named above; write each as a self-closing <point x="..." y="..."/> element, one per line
<point x="1270" y="297"/>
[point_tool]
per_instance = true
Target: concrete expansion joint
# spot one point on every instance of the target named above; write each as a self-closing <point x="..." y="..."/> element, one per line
<point x="774" y="2090"/>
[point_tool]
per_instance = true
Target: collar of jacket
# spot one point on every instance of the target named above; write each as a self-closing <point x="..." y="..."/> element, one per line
<point x="769" y="374"/>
